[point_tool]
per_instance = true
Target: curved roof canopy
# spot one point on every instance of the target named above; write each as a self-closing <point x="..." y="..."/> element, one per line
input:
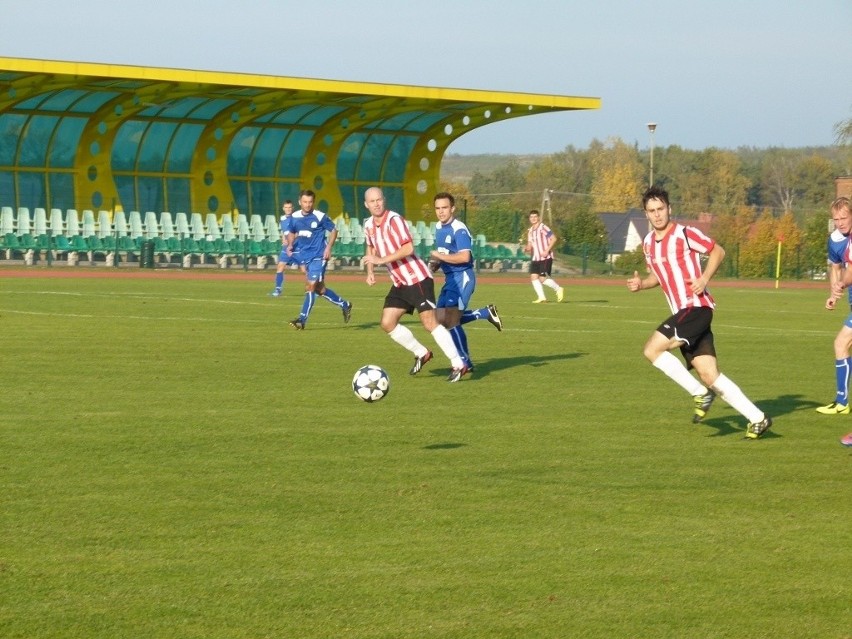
<point x="100" y="136"/>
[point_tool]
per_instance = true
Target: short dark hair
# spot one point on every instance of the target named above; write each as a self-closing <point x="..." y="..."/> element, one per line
<point x="443" y="195"/>
<point x="307" y="192"/>
<point x="655" y="193"/>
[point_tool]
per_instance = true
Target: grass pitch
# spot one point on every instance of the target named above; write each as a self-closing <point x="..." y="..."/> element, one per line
<point x="178" y="462"/>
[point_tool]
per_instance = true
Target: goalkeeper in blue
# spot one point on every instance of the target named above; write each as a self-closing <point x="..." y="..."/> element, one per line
<point x="453" y="254"/>
<point x="306" y="239"/>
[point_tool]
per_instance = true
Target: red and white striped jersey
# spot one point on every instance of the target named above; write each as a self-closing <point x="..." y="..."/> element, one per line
<point x="675" y="260"/>
<point x="538" y="239"/>
<point x="387" y="237"/>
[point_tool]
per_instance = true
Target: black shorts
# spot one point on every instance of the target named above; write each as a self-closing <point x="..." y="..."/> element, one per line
<point x="420" y="296"/>
<point x="542" y="267"/>
<point x="691" y="327"/>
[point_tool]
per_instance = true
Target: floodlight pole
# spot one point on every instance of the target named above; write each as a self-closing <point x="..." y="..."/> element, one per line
<point x="652" y="126"/>
<point x="545" y="206"/>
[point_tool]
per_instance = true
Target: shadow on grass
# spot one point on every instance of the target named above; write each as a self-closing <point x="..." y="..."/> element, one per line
<point x="444" y="446"/>
<point x="486" y="367"/>
<point x="775" y="408"/>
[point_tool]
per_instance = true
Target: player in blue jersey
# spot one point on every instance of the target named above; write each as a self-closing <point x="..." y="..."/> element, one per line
<point x="841" y="215"/>
<point x="837" y="241"/>
<point x="284" y="260"/>
<point x="307" y="240"/>
<point x="453" y="254"/>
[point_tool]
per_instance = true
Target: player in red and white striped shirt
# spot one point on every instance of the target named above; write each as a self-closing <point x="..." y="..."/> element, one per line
<point x="540" y="243"/>
<point x="389" y="243"/>
<point x="672" y="253"/>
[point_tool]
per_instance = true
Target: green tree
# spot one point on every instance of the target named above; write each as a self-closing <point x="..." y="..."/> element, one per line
<point x="497" y="221"/>
<point x="813" y="185"/>
<point x="632" y="261"/>
<point x="814" y="242"/>
<point x="583" y="233"/>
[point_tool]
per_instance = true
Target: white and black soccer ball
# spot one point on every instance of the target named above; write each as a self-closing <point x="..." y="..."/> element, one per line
<point x="371" y="383"/>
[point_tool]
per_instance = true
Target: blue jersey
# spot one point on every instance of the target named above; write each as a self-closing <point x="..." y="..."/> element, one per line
<point x="836" y="249"/>
<point x="310" y="229"/>
<point x="453" y="238"/>
<point x="284" y="224"/>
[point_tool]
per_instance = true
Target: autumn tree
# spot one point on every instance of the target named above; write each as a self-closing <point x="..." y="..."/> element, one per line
<point x="731" y="230"/>
<point x="791" y="238"/>
<point x="757" y="255"/>
<point x="618" y="176"/>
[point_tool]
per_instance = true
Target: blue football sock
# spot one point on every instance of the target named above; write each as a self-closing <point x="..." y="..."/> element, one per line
<point x="842" y="368"/>
<point x="279" y="279"/>
<point x="460" y="340"/>
<point x="333" y="297"/>
<point x="473" y="315"/>
<point x="307" y="305"/>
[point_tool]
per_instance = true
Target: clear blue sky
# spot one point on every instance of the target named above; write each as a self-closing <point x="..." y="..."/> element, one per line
<point x="723" y="73"/>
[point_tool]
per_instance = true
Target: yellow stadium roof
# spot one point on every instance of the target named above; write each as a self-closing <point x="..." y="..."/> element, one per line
<point x="102" y="136"/>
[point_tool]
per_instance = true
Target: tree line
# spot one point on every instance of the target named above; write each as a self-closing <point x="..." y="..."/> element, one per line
<point x="753" y="197"/>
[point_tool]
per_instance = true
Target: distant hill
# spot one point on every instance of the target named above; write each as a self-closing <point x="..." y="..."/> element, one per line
<point x="460" y="168"/>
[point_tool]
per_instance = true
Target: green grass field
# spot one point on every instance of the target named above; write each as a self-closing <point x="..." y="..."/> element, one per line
<point x="178" y="462"/>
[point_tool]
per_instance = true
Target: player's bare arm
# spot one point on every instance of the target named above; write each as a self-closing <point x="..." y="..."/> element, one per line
<point x="402" y="252"/>
<point x="834" y="276"/>
<point x="638" y="283"/>
<point x="715" y="257"/>
<point x="462" y="257"/>
<point x="845" y="282"/>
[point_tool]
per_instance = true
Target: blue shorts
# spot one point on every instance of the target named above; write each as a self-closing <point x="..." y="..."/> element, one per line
<point x="457" y="290"/>
<point x="315" y="270"/>
<point x="287" y="259"/>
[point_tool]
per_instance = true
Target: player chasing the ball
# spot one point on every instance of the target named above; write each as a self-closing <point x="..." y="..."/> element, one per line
<point x="389" y="244"/>
<point x="306" y="239"/>
<point x="454" y="256"/>
<point x="672" y="254"/>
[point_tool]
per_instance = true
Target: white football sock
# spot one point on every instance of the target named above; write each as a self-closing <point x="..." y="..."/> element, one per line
<point x="677" y="372"/>
<point x="405" y="338"/>
<point x="445" y="342"/>
<point x="732" y="394"/>
<point x="550" y="283"/>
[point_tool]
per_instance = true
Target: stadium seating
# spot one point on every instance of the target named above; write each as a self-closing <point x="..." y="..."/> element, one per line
<point x="167" y="227"/>
<point x="39" y="222"/>
<point x="7" y="220"/>
<point x="186" y="239"/>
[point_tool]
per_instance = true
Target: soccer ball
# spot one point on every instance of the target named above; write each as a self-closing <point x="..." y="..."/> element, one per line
<point x="371" y="383"/>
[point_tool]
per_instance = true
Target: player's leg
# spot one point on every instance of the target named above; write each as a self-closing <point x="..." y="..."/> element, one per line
<point x="312" y="275"/>
<point x="674" y="333"/>
<point x="444" y="341"/>
<point x="394" y="308"/>
<point x="333" y="297"/>
<point x="460" y="287"/>
<point x="842" y="368"/>
<point x="535" y="280"/>
<point x="548" y="281"/>
<point x="279" y="274"/>
<point x="486" y="312"/>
